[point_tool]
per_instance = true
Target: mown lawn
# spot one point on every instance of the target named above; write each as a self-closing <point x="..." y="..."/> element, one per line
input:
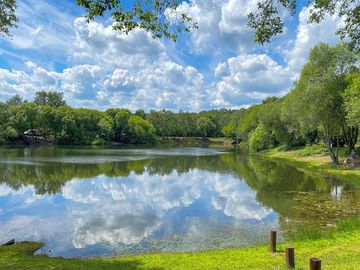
<point x="340" y="251"/>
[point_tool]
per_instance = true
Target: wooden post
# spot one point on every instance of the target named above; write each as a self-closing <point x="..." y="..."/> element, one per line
<point x="315" y="264"/>
<point x="273" y="241"/>
<point x="290" y="257"/>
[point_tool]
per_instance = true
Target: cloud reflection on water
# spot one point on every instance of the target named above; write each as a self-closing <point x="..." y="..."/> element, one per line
<point x="132" y="211"/>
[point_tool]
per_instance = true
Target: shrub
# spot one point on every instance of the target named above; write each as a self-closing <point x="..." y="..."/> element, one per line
<point x="313" y="150"/>
<point x="259" y="139"/>
<point x="98" y="141"/>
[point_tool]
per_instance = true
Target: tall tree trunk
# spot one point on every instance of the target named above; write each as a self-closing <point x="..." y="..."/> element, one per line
<point x="333" y="156"/>
<point x="354" y="137"/>
<point x="337" y="146"/>
<point x="350" y="136"/>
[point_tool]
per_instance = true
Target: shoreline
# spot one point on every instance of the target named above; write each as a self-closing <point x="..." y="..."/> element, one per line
<point x="177" y="141"/>
<point x="317" y="163"/>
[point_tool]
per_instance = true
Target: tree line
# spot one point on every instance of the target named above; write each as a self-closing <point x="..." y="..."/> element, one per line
<point x="49" y="115"/>
<point x="323" y="105"/>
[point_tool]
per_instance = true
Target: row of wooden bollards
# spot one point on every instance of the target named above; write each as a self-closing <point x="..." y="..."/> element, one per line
<point x="315" y="264"/>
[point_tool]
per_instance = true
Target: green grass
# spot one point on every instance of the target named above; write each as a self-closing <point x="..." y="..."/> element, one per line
<point x="314" y="159"/>
<point x="347" y="226"/>
<point x="218" y="142"/>
<point x="338" y="251"/>
<point x="218" y="139"/>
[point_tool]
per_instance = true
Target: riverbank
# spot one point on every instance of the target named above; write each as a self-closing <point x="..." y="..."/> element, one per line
<point x="338" y="252"/>
<point x="315" y="159"/>
<point x="197" y="141"/>
<point x="176" y="141"/>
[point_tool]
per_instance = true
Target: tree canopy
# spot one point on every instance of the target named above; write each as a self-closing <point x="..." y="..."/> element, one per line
<point x="352" y="100"/>
<point x="51" y="98"/>
<point x="163" y="18"/>
<point x="144" y="14"/>
<point x="49" y="114"/>
<point x="8" y="17"/>
<point x="267" y="21"/>
<point x="320" y="89"/>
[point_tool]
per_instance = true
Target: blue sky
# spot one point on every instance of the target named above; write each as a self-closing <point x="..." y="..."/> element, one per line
<point x="216" y="66"/>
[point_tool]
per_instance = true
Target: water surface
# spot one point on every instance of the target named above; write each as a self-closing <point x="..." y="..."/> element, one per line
<point x="100" y="201"/>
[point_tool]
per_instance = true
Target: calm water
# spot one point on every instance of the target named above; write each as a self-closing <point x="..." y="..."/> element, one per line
<point x="91" y="202"/>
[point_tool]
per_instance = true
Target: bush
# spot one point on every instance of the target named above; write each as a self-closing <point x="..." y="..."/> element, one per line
<point x="98" y="141"/>
<point x="259" y="139"/>
<point x="313" y="150"/>
<point x="7" y="135"/>
<point x="243" y="146"/>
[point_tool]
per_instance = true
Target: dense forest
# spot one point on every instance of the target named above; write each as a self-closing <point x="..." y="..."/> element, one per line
<point x="324" y="102"/>
<point x="50" y="116"/>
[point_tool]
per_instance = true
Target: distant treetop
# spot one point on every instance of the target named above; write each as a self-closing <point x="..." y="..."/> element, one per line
<point x="51" y="98"/>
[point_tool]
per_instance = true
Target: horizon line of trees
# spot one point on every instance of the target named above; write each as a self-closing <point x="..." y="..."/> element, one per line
<point x="49" y="114"/>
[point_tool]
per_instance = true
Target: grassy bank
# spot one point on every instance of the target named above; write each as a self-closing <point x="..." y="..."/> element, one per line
<point x="316" y="159"/>
<point x="340" y="251"/>
<point x="195" y="141"/>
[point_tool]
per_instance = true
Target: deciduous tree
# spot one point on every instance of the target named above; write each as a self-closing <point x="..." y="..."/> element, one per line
<point x="8" y="17"/>
<point x="51" y="98"/>
<point x="267" y="22"/>
<point x="320" y="89"/>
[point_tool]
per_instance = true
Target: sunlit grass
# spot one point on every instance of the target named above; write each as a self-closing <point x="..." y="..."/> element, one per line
<point x="337" y="251"/>
<point x="315" y="159"/>
<point x="347" y="226"/>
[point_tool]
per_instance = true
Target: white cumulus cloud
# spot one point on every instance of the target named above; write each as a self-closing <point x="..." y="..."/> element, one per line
<point x="250" y="78"/>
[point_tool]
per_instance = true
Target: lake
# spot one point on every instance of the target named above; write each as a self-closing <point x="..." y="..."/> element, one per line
<point x="86" y="202"/>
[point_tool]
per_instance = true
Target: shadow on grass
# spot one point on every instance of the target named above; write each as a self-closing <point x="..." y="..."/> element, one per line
<point x="35" y="264"/>
<point x="20" y="256"/>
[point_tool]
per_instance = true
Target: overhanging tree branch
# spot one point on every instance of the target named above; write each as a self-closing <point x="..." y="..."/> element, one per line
<point x="8" y="18"/>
